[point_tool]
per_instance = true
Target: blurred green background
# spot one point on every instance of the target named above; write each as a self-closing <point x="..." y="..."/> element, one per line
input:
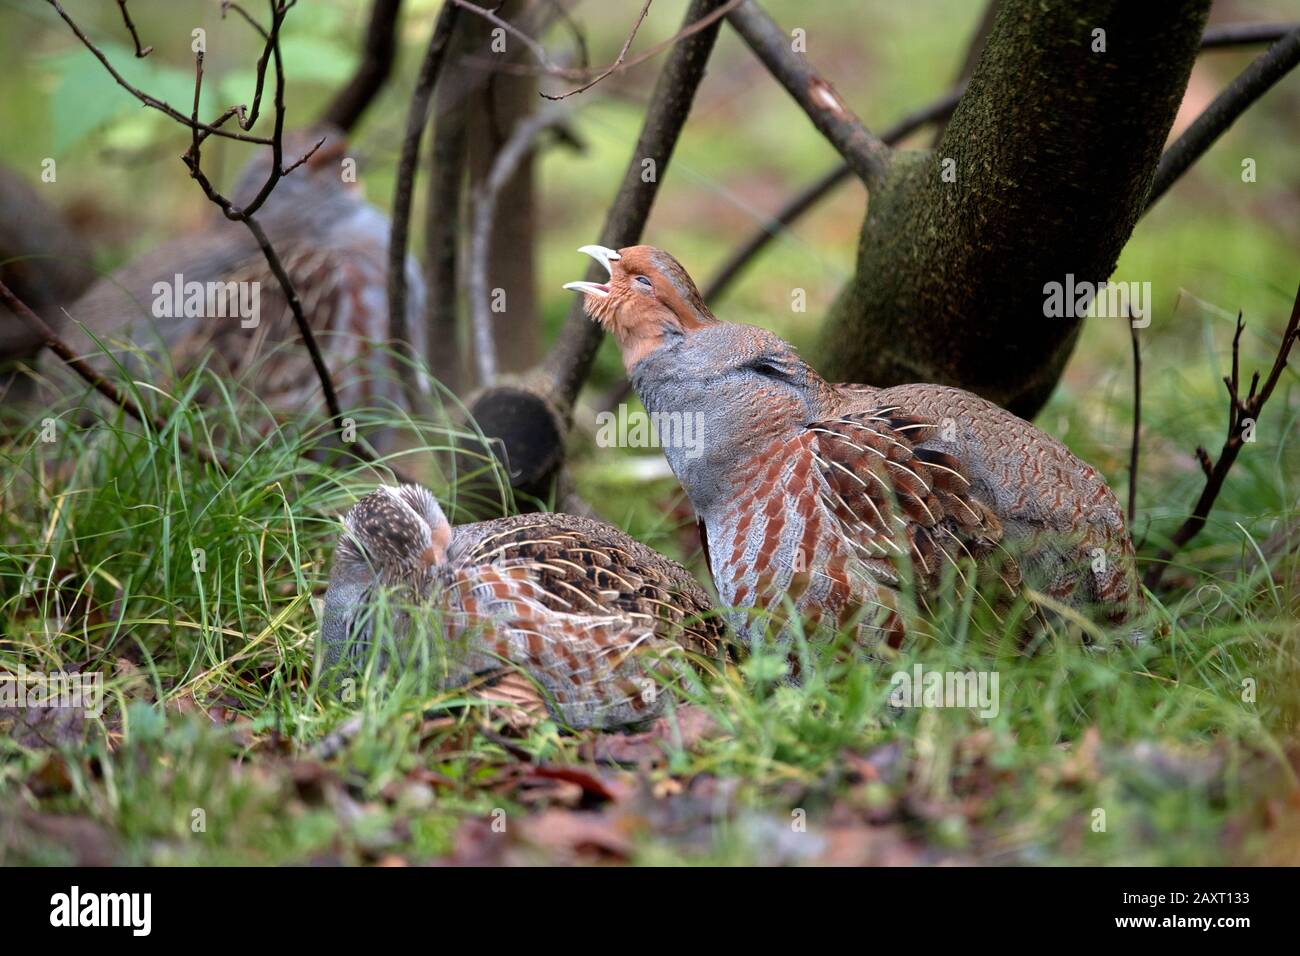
<point x="1213" y="246"/>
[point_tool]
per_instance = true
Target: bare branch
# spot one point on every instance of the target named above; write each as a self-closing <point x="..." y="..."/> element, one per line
<point x="1215" y="38"/>
<point x="50" y="339"/>
<point x="812" y="194"/>
<point x="570" y="360"/>
<point x="579" y="38"/>
<point x="228" y="5"/>
<point x="622" y="55"/>
<point x="372" y="72"/>
<point x="417" y="117"/>
<point x="194" y="162"/>
<point x="1249" y="85"/>
<point x="865" y="153"/>
<point x="534" y="47"/>
<point x="1242" y="414"/>
<point x="1227" y="35"/>
<point x="140" y="54"/>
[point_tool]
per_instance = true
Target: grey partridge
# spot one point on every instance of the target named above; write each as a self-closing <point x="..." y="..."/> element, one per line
<point x="832" y="495"/>
<point x="334" y="246"/>
<point x="590" y="615"/>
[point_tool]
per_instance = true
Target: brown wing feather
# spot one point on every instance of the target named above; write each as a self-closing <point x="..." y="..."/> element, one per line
<point x="588" y="567"/>
<point x="892" y="497"/>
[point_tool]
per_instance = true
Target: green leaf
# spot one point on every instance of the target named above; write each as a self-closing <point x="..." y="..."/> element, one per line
<point x="87" y="98"/>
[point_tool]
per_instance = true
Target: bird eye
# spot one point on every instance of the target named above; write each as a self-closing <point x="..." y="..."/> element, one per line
<point x="644" y="282"/>
<point x="768" y="368"/>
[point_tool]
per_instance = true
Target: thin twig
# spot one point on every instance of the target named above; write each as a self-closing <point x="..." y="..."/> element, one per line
<point x="578" y="75"/>
<point x="417" y="117"/>
<point x="1242" y="414"/>
<point x="150" y="101"/>
<point x="534" y="47"/>
<point x="579" y="38"/>
<point x="228" y="5"/>
<point x="50" y="339"/>
<point x="1249" y="85"/>
<point x="864" y="152"/>
<point x="140" y="54"/>
<point x="618" y="62"/>
<point x="507" y="161"/>
<point x="377" y="57"/>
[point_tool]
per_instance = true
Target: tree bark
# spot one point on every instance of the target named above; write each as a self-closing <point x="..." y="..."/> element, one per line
<point x="1054" y="148"/>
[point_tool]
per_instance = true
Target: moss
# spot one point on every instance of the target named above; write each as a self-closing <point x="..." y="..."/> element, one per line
<point x="1050" y="154"/>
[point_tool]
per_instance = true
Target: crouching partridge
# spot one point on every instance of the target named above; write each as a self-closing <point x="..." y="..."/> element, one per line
<point x="833" y="495"/>
<point x="594" y="618"/>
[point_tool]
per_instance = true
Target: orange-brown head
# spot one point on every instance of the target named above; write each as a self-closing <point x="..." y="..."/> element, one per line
<point x="648" y="297"/>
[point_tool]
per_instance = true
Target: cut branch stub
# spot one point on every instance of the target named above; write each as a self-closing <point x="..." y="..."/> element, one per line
<point x="525" y="431"/>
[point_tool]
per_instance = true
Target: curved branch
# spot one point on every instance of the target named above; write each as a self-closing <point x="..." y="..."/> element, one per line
<point x="1252" y="83"/>
<point x="376" y="64"/>
<point x="507" y="161"/>
<point x="618" y="62"/>
<point x="864" y="152"/>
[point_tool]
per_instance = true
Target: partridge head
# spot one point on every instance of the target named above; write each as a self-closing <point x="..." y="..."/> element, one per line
<point x="831" y="495"/>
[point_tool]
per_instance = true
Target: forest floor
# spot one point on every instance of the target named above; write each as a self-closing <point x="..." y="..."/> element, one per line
<point x="194" y="592"/>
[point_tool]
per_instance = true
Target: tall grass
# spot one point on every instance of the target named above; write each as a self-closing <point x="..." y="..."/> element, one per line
<point x="194" y="589"/>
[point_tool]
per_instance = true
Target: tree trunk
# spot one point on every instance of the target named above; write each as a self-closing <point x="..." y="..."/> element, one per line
<point x="1054" y="147"/>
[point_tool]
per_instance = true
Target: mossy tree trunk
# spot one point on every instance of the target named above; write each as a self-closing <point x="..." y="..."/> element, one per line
<point x="1050" y="154"/>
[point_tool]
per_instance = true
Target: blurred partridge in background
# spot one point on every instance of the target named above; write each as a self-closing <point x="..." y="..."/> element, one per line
<point x="44" y="262"/>
<point x="594" y="617"/>
<point x="333" y="244"/>
<point x="831" y="495"/>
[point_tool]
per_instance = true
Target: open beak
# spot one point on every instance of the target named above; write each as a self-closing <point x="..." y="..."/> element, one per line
<point x="604" y="256"/>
